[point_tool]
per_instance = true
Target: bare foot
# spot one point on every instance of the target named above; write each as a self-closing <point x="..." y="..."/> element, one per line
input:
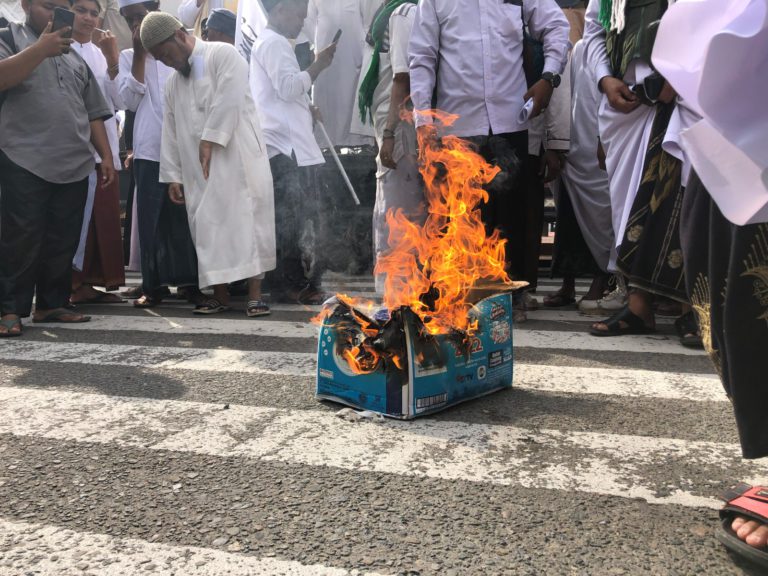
<point x="63" y="316"/>
<point x="639" y="304"/>
<point x="11" y="324"/>
<point x="751" y="531"/>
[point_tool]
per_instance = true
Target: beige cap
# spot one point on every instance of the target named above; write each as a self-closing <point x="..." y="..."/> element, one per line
<point x="157" y="27"/>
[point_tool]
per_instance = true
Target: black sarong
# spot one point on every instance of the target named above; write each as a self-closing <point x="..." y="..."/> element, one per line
<point x="726" y="267"/>
<point x="650" y="255"/>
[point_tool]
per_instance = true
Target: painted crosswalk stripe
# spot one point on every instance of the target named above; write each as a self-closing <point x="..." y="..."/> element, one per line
<point x="618" y="465"/>
<point x="525" y="338"/>
<point x="545" y="378"/>
<point x="46" y="550"/>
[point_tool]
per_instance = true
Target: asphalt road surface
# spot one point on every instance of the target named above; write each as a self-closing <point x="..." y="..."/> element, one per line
<point x="157" y="442"/>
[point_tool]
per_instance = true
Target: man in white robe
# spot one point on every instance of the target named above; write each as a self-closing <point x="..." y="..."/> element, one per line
<point x="335" y="92"/>
<point x="398" y="183"/>
<point x="214" y="158"/>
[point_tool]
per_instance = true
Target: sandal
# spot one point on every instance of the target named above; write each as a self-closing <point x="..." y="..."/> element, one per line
<point x="688" y="330"/>
<point x="634" y="325"/>
<point x="256" y="308"/>
<point x="750" y="502"/>
<point x="559" y="300"/>
<point x="147" y="301"/>
<point x="10" y="325"/>
<point x="312" y="296"/>
<point x="210" y="306"/>
<point x="102" y="298"/>
<point x="57" y="316"/>
<point x="134" y="292"/>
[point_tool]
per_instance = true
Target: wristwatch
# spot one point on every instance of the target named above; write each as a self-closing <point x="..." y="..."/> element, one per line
<point x="552" y="78"/>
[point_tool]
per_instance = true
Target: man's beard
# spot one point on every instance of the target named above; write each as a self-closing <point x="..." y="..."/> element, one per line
<point x="186" y="70"/>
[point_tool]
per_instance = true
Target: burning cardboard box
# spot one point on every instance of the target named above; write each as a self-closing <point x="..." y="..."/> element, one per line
<point x="399" y="369"/>
<point x="436" y="339"/>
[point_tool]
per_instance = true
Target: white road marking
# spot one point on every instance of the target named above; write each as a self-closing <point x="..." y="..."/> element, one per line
<point x="46" y="550"/>
<point x="525" y="338"/>
<point x="546" y="378"/>
<point x="617" y="465"/>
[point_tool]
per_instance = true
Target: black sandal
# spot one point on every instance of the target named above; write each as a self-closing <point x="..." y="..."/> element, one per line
<point x="634" y="325"/>
<point x="688" y="330"/>
<point x="210" y="306"/>
<point x="257" y="308"/>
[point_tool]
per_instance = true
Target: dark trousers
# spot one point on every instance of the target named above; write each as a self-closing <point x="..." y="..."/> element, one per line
<point x="511" y="206"/>
<point x="39" y="232"/>
<point x="168" y="256"/>
<point x="296" y="226"/>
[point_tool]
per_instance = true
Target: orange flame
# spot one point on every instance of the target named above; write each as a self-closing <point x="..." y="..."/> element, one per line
<point x="450" y="252"/>
<point x="441" y="259"/>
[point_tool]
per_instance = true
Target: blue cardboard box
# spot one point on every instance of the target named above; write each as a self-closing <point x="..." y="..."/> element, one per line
<point x="439" y="371"/>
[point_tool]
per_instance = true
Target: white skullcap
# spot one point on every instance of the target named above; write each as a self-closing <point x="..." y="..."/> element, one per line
<point x="157" y="27"/>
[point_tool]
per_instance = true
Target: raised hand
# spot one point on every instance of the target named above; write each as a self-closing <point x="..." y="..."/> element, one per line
<point x="107" y="43"/>
<point x="53" y="43"/>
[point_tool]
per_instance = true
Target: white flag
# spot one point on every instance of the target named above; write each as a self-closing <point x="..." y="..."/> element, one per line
<point x="251" y="20"/>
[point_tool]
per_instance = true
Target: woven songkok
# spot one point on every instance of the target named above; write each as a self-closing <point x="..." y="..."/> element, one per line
<point x="157" y="27"/>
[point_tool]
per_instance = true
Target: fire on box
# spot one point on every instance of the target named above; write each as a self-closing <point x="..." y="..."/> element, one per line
<point x="434" y="341"/>
<point x="417" y="372"/>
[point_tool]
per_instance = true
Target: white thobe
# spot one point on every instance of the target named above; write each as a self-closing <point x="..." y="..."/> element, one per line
<point x="586" y="182"/>
<point x="725" y="135"/>
<point x="624" y="136"/>
<point x="110" y="88"/>
<point x="335" y="90"/>
<point x="12" y="11"/>
<point x="231" y="214"/>
<point x="146" y="99"/>
<point x="400" y="188"/>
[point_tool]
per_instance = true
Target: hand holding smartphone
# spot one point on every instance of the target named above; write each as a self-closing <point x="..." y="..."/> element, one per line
<point x="337" y="36"/>
<point x="63" y="19"/>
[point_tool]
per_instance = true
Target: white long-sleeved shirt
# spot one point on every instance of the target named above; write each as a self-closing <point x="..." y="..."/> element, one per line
<point x="98" y="65"/>
<point x="147" y="100"/>
<point x="471" y="50"/>
<point x="279" y="89"/>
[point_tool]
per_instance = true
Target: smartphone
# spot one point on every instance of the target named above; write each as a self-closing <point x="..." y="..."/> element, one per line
<point x="337" y="36"/>
<point x="63" y="18"/>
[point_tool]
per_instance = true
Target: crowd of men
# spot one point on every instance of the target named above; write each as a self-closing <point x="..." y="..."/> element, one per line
<point x="605" y="104"/>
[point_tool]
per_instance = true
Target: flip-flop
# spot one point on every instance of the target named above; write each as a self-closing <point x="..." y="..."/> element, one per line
<point x="211" y="306"/>
<point x="10" y="325"/>
<point x="634" y="325"/>
<point x="750" y="502"/>
<point x="257" y="308"/>
<point x="102" y="298"/>
<point x="57" y="317"/>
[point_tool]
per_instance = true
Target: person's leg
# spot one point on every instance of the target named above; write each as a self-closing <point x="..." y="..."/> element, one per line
<point x="289" y="274"/>
<point x="149" y="203"/>
<point x="533" y="210"/>
<point x="639" y="306"/>
<point x="22" y="224"/>
<point x="64" y="220"/>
